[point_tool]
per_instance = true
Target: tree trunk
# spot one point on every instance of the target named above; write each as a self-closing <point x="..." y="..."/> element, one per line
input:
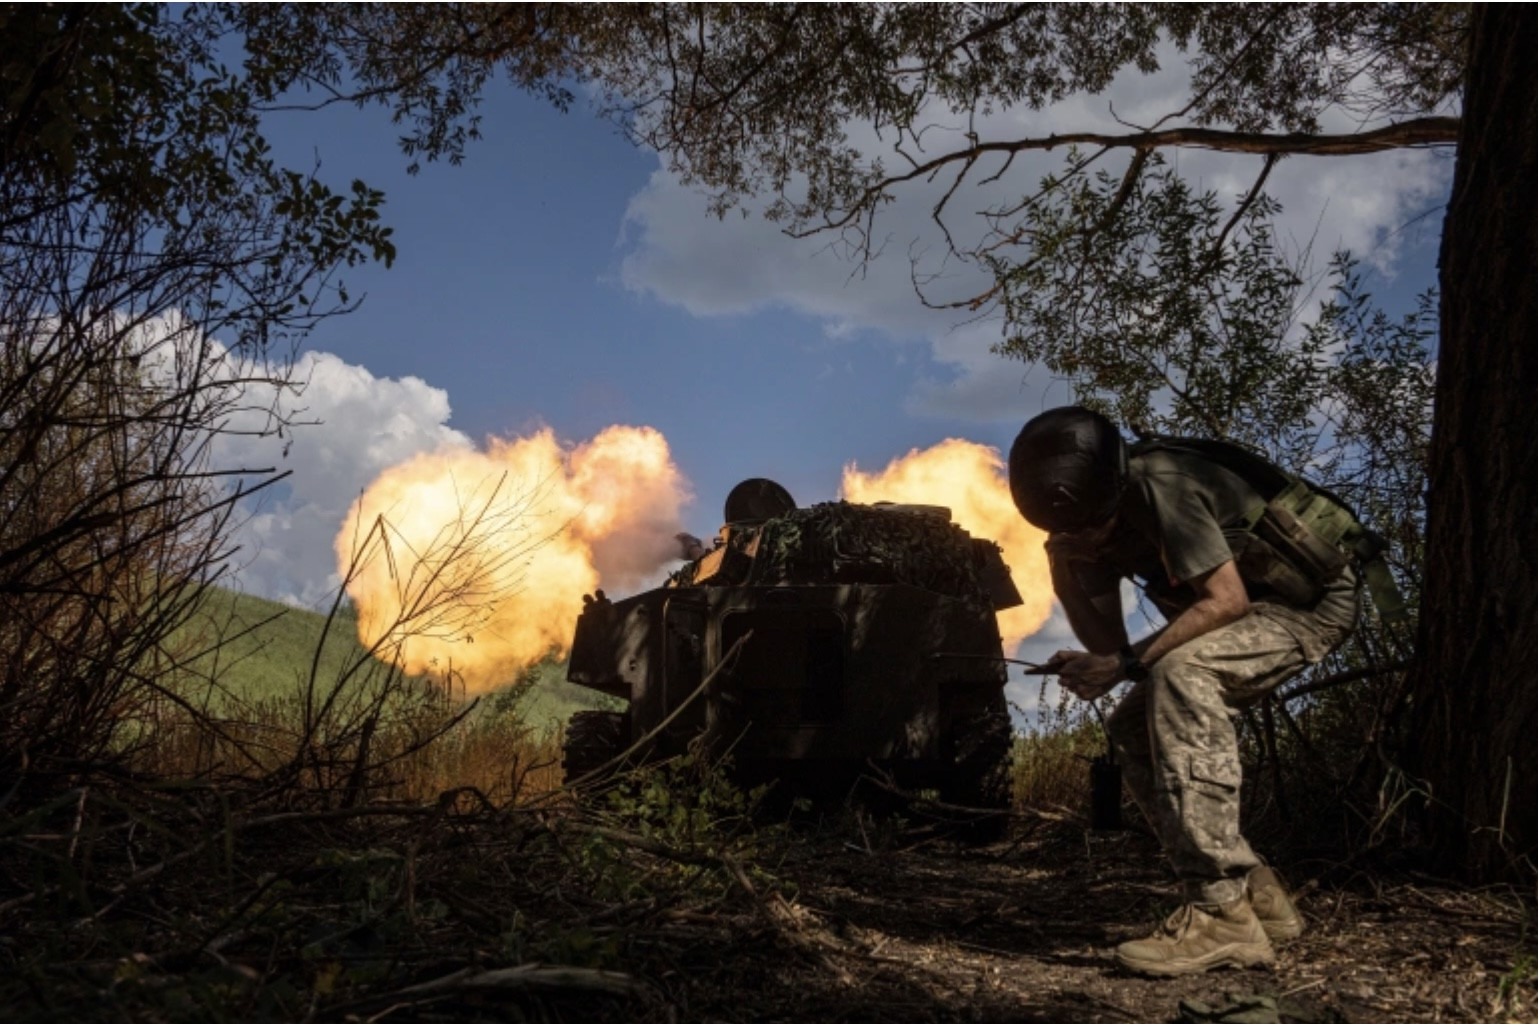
<point x="1474" y="687"/>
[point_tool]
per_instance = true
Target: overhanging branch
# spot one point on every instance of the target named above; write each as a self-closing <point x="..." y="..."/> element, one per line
<point x="1425" y="131"/>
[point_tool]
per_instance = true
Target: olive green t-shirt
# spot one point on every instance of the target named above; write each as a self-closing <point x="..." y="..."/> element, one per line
<point x="1182" y="516"/>
<point x="1171" y="523"/>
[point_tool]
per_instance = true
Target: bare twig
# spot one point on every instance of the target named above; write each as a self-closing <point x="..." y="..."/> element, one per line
<point x="726" y="664"/>
<point x="526" y="978"/>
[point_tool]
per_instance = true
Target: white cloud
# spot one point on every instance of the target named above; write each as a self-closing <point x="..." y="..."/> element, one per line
<point x="351" y="426"/>
<point x="742" y="263"/>
<point x="344" y="426"/>
<point x="977" y="384"/>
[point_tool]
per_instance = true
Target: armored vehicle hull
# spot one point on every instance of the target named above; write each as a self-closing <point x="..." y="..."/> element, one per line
<point x="813" y="660"/>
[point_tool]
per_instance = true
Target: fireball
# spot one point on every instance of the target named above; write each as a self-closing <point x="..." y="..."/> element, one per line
<point x="470" y="565"/>
<point x="970" y="480"/>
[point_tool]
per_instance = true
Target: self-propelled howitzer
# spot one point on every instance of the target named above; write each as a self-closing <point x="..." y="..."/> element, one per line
<point x="834" y="639"/>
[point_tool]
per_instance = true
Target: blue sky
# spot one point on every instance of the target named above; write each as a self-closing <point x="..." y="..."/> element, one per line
<point x="559" y="277"/>
<point x="509" y="294"/>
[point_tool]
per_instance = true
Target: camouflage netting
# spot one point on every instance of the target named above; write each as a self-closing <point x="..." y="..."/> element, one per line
<point x="838" y="542"/>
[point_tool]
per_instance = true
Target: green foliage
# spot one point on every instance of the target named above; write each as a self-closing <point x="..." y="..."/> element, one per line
<point x="1165" y="310"/>
<point x="752" y="101"/>
<point x="1377" y="400"/>
<point x="1049" y="768"/>
<point x="1515" y="989"/>
<point x="124" y="114"/>
<point x="153" y="258"/>
<point x="687" y="805"/>
<point x="430" y="63"/>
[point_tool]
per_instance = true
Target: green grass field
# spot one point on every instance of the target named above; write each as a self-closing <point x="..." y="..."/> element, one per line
<point x="256" y="648"/>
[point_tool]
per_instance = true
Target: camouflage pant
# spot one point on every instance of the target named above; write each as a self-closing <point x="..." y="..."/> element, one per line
<point x="1175" y="739"/>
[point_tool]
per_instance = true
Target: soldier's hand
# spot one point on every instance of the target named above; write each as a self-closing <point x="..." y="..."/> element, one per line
<point x="1085" y="545"/>
<point x="1063" y="548"/>
<point x="1054" y="665"/>
<point x="1087" y="676"/>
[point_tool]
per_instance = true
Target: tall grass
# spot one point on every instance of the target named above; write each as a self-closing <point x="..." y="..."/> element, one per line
<point x="245" y="648"/>
<point x="236" y="708"/>
<point x="415" y="742"/>
<point x="1053" y="753"/>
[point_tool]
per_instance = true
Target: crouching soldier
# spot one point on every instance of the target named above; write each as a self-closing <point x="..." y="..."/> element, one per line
<point x="1247" y="608"/>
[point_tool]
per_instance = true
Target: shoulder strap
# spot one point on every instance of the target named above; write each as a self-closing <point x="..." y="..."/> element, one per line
<point x="1253" y="468"/>
<point x="1272" y="482"/>
<point x="1269" y="479"/>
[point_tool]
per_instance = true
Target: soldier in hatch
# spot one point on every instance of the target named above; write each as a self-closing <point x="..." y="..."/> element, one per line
<point x="748" y="504"/>
<point x="1175" y="520"/>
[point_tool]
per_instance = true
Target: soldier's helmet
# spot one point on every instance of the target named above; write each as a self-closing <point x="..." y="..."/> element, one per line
<point x="1067" y="469"/>
<point x="757" y="499"/>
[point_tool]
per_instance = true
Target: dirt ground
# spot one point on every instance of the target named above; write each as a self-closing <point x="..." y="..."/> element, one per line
<point x="1022" y="931"/>
<point x="565" y="915"/>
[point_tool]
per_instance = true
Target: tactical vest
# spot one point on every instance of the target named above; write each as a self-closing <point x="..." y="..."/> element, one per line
<point x="1300" y="536"/>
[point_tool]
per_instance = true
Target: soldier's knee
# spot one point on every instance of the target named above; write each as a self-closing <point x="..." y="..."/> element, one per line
<point x="1176" y="673"/>
<point x="1180" y="683"/>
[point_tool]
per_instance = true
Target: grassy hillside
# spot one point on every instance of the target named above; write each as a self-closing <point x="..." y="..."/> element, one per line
<point x="268" y="649"/>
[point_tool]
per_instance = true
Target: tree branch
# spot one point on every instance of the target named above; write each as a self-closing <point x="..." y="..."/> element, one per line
<point x="1425" y="131"/>
<point x="1341" y="678"/>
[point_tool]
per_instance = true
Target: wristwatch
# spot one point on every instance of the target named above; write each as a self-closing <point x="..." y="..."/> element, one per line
<point x="1132" y="666"/>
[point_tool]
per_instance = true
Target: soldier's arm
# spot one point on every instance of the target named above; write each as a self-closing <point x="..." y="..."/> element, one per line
<point x="1220" y="599"/>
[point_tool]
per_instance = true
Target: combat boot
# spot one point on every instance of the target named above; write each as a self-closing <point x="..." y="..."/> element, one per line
<point x="1198" y="938"/>
<point x="1275" y="909"/>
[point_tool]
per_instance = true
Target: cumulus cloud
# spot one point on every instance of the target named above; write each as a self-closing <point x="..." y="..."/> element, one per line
<point x="349" y="426"/>
<point x="972" y="382"/>
<point x="740" y="264"/>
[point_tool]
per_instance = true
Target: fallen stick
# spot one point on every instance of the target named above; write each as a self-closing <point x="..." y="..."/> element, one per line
<point x="526" y="978"/>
